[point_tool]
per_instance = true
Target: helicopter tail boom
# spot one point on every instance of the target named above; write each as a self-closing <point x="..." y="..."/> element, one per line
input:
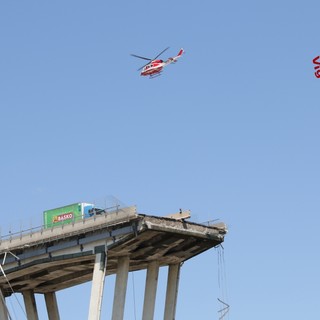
<point x="175" y="59"/>
<point x="180" y="53"/>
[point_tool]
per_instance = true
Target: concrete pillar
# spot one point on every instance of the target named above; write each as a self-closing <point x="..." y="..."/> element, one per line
<point x="120" y="288"/>
<point x="99" y="273"/>
<point x="30" y="304"/>
<point x="3" y="307"/>
<point x="172" y="292"/>
<point x="150" y="291"/>
<point x="52" y="306"/>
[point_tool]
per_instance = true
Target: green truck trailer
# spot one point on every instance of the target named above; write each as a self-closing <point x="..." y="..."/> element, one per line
<point x="67" y="214"/>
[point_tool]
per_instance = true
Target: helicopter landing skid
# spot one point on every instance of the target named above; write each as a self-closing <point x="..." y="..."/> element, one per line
<point x="152" y="76"/>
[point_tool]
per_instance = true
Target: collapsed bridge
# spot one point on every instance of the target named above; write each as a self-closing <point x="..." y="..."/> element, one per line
<point x="115" y="242"/>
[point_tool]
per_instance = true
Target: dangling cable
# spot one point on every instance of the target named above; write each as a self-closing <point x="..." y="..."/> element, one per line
<point x="5" y="305"/>
<point x="222" y="282"/>
<point x="4" y="274"/>
<point x="14" y="294"/>
<point x="13" y="309"/>
<point x="224" y="310"/>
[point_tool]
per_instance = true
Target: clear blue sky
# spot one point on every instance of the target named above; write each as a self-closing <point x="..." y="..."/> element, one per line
<point x="230" y="132"/>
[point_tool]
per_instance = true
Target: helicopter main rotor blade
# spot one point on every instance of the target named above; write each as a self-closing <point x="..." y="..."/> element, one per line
<point x="134" y="55"/>
<point x="143" y="66"/>
<point x="161" y="53"/>
<point x="148" y="59"/>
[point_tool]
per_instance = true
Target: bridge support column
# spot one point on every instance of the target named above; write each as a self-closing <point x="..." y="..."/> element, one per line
<point x="172" y="291"/>
<point x="150" y="291"/>
<point x="120" y="288"/>
<point x="3" y="307"/>
<point x="98" y="277"/>
<point x="52" y="306"/>
<point x="30" y="304"/>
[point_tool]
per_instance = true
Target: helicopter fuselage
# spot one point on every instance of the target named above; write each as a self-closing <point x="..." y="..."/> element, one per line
<point x="153" y="68"/>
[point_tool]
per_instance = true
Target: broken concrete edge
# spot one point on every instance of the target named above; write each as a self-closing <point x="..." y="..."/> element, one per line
<point x="147" y="222"/>
<point x="220" y="227"/>
<point x="207" y="234"/>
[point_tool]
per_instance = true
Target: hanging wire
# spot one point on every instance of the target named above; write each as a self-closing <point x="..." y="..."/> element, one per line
<point x="4" y="274"/>
<point x="5" y="305"/>
<point x="134" y="297"/>
<point x="13" y="310"/>
<point x="222" y="282"/>
<point x="14" y="294"/>
<point x="224" y="310"/>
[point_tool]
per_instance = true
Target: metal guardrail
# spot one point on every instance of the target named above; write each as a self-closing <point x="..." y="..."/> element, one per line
<point x="28" y="232"/>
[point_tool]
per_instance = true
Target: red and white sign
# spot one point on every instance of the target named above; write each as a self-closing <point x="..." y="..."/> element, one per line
<point x="316" y="61"/>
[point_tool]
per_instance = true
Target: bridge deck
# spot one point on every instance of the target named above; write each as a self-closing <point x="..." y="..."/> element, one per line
<point x="55" y="259"/>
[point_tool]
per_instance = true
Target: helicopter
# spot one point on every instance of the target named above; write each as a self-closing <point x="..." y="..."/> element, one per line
<point x="155" y="66"/>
